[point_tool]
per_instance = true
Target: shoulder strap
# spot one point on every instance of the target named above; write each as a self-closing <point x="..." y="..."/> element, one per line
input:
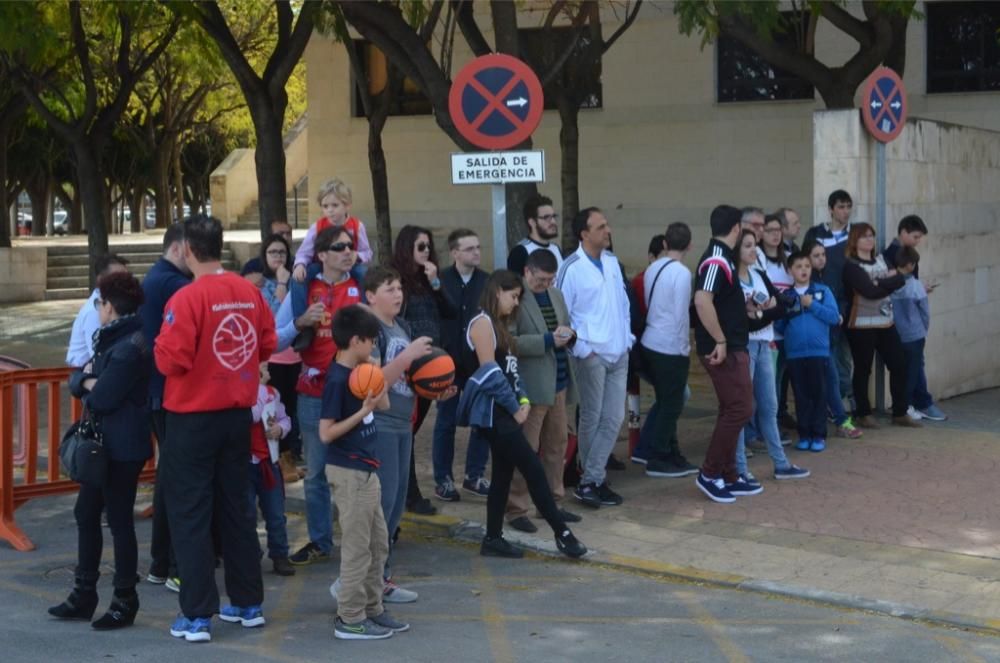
<point x="649" y="295"/>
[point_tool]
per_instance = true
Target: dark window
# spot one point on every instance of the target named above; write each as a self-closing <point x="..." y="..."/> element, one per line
<point x="963" y="46"/>
<point x="410" y="101"/>
<point x="541" y="47"/>
<point x="743" y="75"/>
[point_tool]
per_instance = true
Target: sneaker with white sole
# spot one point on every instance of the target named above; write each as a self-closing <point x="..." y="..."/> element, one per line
<point x="250" y="616"/>
<point x="335" y="589"/>
<point x="933" y="413"/>
<point x="446" y="491"/>
<point x="791" y="472"/>
<point x="715" y="489"/>
<point x="173" y="584"/>
<point x="386" y="620"/>
<point x="479" y="487"/>
<point x="198" y="629"/>
<point x="745" y="484"/>
<point x="363" y="630"/>
<point x="914" y="414"/>
<point x="393" y="593"/>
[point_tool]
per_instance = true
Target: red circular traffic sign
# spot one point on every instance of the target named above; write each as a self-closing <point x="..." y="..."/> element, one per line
<point x="496" y="101"/>
<point x="883" y="104"/>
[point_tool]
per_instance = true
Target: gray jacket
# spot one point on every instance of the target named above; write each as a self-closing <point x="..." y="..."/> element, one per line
<point x="536" y="357"/>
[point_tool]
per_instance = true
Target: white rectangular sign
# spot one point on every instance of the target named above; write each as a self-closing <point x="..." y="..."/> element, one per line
<point x="497" y="167"/>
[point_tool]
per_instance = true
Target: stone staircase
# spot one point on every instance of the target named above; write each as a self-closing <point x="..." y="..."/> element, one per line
<point x="68" y="266"/>
<point x="250" y="219"/>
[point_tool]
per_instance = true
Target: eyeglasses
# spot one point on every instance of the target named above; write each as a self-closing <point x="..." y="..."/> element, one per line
<point x="549" y="217"/>
<point x="423" y="246"/>
<point x="340" y="247"/>
<point x="278" y="252"/>
<point x="98" y="303"/>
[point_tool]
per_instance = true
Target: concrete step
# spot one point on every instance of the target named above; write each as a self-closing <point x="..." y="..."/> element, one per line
<point x="82" y="249"/>
<point x="66" y="293"/>
<point x="135" y="257"/>
<point x="69" y="287"/>
<point x="250" y="219"/>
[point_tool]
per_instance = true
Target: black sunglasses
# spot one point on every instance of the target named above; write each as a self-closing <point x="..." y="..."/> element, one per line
<point x="340" y="247"/>
<point x="423" y="246"/>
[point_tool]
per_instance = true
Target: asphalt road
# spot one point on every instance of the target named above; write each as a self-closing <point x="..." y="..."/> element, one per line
<point x="470" y="608"/>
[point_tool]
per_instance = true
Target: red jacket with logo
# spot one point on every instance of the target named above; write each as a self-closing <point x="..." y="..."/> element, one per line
<point x="215" y="333"/>
<point x="317" y="357"/>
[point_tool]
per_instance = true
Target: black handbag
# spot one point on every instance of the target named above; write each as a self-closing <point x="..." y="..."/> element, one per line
<point x="83" y="454"/>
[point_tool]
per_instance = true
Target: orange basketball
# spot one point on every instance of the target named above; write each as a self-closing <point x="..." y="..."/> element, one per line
<point x="366" y="379"/>
<point x="432" y="374"/>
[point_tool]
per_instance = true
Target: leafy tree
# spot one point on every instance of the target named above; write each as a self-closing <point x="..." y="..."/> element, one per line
<point x="107" y="48"/>
<point x="265" y="92"/>
<point x="880" y="33"/>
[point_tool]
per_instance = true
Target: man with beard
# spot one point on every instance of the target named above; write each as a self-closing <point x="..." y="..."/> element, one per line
<point x="543" y="227"/>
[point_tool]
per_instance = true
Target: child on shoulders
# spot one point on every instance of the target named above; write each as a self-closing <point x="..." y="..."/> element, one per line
<point x="334" y="199"/>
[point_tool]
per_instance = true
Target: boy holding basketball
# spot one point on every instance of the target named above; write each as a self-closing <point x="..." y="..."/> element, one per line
<point x="347" y="428"/>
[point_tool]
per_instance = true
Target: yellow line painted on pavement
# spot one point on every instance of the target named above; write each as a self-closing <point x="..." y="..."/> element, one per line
<point x="569" y="619"/>
<point x="714" y="629"/>
<point x="958" y="648"/>
<point x="283" y="614"/>
<point x="493" y="617"/>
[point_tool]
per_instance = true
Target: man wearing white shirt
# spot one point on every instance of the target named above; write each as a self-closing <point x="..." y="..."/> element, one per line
<point x="594" y="289"/>
<point x="666" y="349"/>
<point x="81" y="337"/>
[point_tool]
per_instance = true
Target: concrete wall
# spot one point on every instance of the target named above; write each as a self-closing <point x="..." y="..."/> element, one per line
<point x="233" y="184"/>
<point x="948" y="175"/>
<point x="22" y="274"/>
<point x="660" y="150"/>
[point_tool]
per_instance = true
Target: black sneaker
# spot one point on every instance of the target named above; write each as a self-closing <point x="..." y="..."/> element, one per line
<point x="446" y="491"/>
<point x="681" y="462"/>
<point x="422" y="507"/>
<point x="569" y="516"/>
<point x="715" y="489"/>
<point x="282" y="566"/>
<point x="308" y="554"/>
<point x="587" y="493"/>
<point x="664" y="468"/>
<point x="499" y="547"/>
<point x="523" y="524"/>
<point x="608" y="496"/>
<point x="614" y="464"/>
<point x="569" y="545"/>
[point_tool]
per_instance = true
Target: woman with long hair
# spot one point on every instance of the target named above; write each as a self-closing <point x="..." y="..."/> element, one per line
<point x="425" y="303"/>
<point x="114" y="387"/>
<point x="503" y="408"/>
<point x="285" y="366"/>
<point x="868" y="284"/>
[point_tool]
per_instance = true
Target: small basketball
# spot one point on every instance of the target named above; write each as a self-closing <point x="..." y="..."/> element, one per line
<point x="366" y="379"/>
<point x="432" y="374"/>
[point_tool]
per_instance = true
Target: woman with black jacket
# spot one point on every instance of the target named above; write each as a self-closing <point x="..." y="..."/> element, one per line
<point x="114" y="388"/>
<point x="425" y="303"/>
<point x="868" y="284"/>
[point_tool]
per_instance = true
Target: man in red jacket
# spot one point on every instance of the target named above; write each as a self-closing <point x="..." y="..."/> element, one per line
<point x="215" y="334"/>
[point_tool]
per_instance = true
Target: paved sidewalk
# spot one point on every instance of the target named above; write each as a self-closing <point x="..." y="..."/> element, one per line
<point x="896" y="522"/>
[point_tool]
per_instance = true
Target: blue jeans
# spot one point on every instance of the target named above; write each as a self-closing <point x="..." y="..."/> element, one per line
<point x="272" y="507"/>
<point x="443" y="450"/>
<point x="393" y="452"/>
<point x="840" y="351"/>
<point x="834" y="403"/>
<point x="765" y="402"/>
<point x="916" y="379"/>
<point x="319" y="515"/>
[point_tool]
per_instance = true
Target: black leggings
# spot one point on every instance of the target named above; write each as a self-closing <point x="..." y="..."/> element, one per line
<point x="284" y="377"/>
<point x="117" y="497"/>
<point x="511" y="450"/>
<point x="864" y="343"/>
<point x="413" y="494"/>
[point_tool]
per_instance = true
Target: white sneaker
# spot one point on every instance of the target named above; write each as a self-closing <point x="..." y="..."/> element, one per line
<point x="393" y="593"/>
<point x="914" y="414"/>
<point x="334" y="588"/>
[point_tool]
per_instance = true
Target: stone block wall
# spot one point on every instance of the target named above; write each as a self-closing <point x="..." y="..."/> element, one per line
<point x="23" y="274"/>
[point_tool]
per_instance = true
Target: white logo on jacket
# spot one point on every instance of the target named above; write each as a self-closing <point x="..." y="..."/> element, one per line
<point x="234" y="341"/>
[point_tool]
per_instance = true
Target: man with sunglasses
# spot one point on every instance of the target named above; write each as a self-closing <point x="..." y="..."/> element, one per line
<point x="543" y="227"/>
<point x="328" y="287"/>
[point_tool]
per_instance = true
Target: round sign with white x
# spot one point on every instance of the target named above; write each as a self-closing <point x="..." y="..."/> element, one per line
<point x="496" y="101"/>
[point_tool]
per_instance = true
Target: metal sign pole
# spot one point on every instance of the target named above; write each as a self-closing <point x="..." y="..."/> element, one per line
<point x="499" y="226"/>
<point x="879" y="246"/>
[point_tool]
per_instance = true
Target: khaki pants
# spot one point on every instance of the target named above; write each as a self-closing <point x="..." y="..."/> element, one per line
<point x="545" y="429"/>
<point x="364" y="542"/>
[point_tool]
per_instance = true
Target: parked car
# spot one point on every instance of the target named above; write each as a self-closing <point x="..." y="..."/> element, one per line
<point x="60" y="222"/>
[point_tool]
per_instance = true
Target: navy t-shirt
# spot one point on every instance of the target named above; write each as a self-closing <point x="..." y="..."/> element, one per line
<point x="356" y="449"/>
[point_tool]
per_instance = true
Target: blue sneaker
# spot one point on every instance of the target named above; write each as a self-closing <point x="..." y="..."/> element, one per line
<point x="198" y="629"/>
<point x="932" y="412"/>
<point x="249" y="617"/>
<point x="715" y="489"/>
<point x="745" y="484"/>
<point x="803" y="444"/>
<point x="790" y="472"/>
<point x="817" y="445"/>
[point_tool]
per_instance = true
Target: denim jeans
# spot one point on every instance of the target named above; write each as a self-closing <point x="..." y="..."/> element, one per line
<point x="916" y="379"/>
<point x="840" y="352"/>
<point x="834" y="403"/>
<point x="272" y="507"/>
<point x="765" y="398"/>
<point x="443" y="450"/>
<point x="645" y="446"/>
<point x="319" y="514"/>
<point x="393" y="452"/>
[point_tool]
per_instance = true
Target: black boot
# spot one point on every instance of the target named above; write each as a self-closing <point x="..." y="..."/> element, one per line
<point x="80" y="604"/>
<point x="121" y="612"/>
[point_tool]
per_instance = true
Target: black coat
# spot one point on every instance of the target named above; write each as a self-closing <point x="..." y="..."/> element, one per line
<point x="121" y="365"/>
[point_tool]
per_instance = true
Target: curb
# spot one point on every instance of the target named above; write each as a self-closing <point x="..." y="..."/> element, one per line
<point x="451" y="527"/>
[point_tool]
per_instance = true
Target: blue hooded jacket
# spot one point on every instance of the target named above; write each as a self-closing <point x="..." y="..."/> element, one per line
<point x="807" y="331"/>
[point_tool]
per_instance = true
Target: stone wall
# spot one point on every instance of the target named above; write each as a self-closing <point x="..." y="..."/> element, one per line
<point x="23" y="274"/>
<point x="948" y="175"/>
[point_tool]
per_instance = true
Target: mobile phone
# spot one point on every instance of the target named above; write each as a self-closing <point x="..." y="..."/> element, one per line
<point x="760" y="297"/>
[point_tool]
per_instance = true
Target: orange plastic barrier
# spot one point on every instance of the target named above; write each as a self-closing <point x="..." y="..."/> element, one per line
<point x="16" y="491"/>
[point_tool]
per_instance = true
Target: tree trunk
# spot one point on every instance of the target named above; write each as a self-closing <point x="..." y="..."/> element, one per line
<point x="569" y="144"/>
<point x="39" y="192"/>
<point x="270" y="162"/>
<point x="5" y="220"/>
<point x="161" y="185"/>
<point x="94" y="195"/>
<point x="838" y="94"/>
<point x="380" y="190"/>
<point x="178" y="179"/>
<point x="137" y="205"/>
